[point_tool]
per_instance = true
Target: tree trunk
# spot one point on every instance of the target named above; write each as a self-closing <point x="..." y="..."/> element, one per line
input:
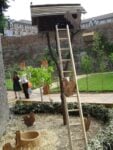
<point x="4" y="109"/>
<point x="63" y="100"/>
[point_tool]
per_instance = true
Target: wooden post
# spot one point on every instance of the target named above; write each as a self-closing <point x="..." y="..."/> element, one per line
<point x="18" y="138"/>
<point x="41" y="94"/>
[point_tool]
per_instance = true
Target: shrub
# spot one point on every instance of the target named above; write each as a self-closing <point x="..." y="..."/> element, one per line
<point x="97" y="111"/>
<point x="104" y="139"/>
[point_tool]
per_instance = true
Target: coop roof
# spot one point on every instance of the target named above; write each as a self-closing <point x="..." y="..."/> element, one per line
<point x="55" y="9"/>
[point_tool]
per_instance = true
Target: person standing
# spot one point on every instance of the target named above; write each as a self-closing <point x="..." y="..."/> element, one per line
<point x="16" y="85"/>
<point x="25" y="86"/>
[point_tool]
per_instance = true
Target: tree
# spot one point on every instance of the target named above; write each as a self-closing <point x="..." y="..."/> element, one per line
<point x="3" y="6"/>
<point x="39" y="76"/>
<point x="54" y="58"/>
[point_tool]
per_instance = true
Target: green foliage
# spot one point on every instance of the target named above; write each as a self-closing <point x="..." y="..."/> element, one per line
<point x="104" y="138"/>
<point x="111" y="60"/>
<point x="9" y="84"/>
<point x="48" y="57"/>
<point x="86" y="63"/>
<point x="37" y="108"/>
<point x="2" y="23"/>
<point x="10" y="70"/>
<point x="98" y="45"/>
<point x="97" y="111"/>
<point x="111" y="57"/>
<point x="102" y="66"/>
<point x="55" y="90"/>
<point x="9" y="74"/>
<point x="99" y="51"/>
<point x="3" y="6"/>
<point x="95" y="82"/>
<point x="39" y="76"/>
<point x="108" y="47"/>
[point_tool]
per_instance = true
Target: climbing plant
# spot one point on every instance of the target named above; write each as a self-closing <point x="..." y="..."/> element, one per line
<point x="99" y="52"/>
<point x="86" y="65"/>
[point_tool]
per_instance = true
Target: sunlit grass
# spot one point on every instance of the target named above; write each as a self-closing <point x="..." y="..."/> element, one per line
<point x="9" y="84"/>
<point x="99" y="82"/>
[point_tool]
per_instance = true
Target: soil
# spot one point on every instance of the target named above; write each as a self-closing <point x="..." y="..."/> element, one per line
<point x="53" y="134"/>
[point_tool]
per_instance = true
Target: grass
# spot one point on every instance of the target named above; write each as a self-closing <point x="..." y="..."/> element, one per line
<point x="9" y="84"/>
<point x="99" y="82"/>
<point x="55" y="90"/>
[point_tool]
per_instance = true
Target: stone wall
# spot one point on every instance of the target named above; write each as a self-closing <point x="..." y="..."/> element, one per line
<point x="4" y="110"/>
<point x="31" y="48"/>
<point x="105" y="29"/>
<point x="18" y="49"/>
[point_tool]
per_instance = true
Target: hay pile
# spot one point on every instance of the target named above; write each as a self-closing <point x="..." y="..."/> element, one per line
<point x="53" y="135"/>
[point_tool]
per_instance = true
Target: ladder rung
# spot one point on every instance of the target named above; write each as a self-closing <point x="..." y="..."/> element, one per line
<point x="64" y="49"/>
<point x="63" y="38"/>
<point x="74" y="96"/>
<point x="81" y="138"/>
<point x="66" y="59"/>
<point x="62" y="30"/>
<point x="73" y="110"/>
<point x="77" y="124"/>
<point x="66" y="71"/>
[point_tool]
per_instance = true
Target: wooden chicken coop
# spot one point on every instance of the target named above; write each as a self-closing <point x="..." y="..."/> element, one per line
<point x="47" y="16"/>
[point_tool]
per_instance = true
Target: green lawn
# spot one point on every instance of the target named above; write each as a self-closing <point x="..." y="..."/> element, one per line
<point x="9" y="84"/>
<point x="97" y="82"/>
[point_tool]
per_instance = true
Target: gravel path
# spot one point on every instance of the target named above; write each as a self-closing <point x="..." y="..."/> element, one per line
<point x="92" y="98"/>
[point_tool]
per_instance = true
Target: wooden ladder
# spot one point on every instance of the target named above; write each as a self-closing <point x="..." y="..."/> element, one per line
<point x="62" y="50"/>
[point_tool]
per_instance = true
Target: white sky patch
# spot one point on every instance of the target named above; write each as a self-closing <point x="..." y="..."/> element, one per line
<point x="20" y="9"/>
